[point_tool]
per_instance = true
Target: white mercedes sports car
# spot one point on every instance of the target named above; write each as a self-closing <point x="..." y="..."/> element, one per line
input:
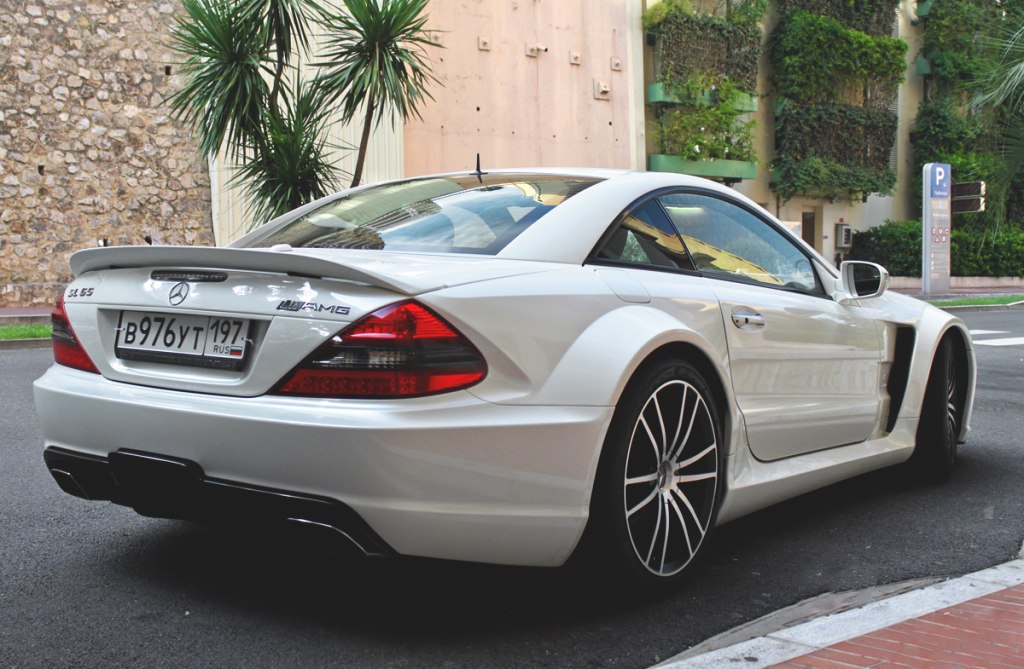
<point x="505" y="367"/>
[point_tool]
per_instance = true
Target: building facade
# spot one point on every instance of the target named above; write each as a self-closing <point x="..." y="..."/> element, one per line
<point x="89" y="156"/>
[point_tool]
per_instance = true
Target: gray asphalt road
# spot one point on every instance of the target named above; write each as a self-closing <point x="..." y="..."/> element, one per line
<point x="93" y="585"/>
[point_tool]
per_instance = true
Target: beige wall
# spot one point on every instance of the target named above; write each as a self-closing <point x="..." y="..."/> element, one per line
<point x="536" y="109"/>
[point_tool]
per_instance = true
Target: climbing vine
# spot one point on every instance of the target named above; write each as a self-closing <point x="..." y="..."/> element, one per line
<point x="837" y="75"/>
<point x="715" y="131"/>
<point x="708" y="64"/>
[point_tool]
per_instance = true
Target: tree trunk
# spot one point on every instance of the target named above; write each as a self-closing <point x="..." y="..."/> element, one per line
<point x="357" y="175"/>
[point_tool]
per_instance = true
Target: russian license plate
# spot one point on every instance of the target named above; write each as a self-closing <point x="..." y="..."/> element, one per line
<point x="217" y="342"/>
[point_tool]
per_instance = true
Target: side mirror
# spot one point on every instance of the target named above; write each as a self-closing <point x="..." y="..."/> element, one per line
<point x="862" y="280"/>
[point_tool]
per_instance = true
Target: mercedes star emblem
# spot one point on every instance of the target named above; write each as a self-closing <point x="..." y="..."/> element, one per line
<point x="178" y="294"/>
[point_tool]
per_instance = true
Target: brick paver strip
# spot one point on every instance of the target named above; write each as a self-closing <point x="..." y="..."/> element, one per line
<point x="987" y="632"/>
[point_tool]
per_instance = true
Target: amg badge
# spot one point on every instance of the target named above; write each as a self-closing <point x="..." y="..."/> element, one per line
<point x="298" y="305"/>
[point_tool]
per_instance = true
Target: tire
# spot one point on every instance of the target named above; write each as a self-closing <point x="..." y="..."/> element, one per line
<point x="658" y="486"/>
<point x="938" y="429"/>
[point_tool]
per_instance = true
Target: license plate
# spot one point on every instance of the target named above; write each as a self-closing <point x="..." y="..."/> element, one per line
<point x="217" y="342"/>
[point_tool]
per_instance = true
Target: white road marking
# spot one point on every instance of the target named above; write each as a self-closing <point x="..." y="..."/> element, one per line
<point x="975" y="333"/>
<point x="1006" y="341"/>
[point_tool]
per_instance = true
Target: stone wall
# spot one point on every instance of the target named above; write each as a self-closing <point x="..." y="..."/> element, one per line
<point x="87" y="152"/>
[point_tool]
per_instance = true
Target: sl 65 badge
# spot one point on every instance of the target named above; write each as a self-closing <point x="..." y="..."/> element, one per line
<point x="78" y="292"/>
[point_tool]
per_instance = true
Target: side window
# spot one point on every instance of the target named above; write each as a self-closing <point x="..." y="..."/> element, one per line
<point x="645" y="236"/>
<point x="728" y="241"/>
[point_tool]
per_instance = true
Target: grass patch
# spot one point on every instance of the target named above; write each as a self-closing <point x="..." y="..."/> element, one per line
<point x="29" y="331"/>
<point x="983" y="301"/>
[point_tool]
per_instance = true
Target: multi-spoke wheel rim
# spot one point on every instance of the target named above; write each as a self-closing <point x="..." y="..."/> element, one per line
<point x="670" y="478"/>
<point x="952" y="403"/>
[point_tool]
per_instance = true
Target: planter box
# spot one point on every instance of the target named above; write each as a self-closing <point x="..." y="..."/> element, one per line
<point x="922" y="66"/>
<point x="727" y="170"/>
<point x="656" y="94"/>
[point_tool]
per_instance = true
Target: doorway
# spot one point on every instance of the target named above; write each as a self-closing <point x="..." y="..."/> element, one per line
<point x="809" y="228"/>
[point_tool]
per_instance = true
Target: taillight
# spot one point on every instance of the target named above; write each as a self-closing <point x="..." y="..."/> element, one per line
<point x="402" y="350"/>
<point x="67" y="350"/>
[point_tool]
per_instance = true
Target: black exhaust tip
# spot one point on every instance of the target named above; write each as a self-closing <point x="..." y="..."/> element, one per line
<point x="68" y="483"/>
<point x="79" y="474"/>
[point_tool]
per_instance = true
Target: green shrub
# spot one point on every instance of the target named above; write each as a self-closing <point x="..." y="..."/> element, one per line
<point x="975" y="251"/>
<point x="943" y="134"/>
<point x="941" y="127"/>
<point x="981" y="252"/>
<point x="954" y="39"/>
<point x="895" y="245"/>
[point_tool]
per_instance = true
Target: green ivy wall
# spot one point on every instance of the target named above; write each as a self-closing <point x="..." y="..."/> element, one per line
<point x="837" y="74"/>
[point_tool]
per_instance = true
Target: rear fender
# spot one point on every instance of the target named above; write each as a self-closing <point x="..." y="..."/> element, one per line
<point x="596" y="368"/>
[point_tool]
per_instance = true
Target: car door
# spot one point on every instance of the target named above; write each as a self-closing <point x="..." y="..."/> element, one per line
<point x="806" y="371"/>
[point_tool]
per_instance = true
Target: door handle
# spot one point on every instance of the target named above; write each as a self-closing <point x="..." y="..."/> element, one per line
<point x="746" y="319"/>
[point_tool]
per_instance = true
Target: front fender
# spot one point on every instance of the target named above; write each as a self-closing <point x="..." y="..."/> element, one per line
<point x="930" y="325"/>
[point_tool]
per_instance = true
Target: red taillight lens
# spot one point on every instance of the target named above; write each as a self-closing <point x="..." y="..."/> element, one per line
<point x="402" y="350"/>
<point x="67" y="350"/>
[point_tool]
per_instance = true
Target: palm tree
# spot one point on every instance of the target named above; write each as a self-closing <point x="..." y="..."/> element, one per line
<point x="293" y="167"/>
<point x="225" y="94"/>
<point x="374" y="56"/>
<point x="242" y="96"/>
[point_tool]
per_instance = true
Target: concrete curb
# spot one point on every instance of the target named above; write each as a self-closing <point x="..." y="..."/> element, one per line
<point x="11" y="344"/>
<point x="819" y="633"/>
<point x="967" y="308"/>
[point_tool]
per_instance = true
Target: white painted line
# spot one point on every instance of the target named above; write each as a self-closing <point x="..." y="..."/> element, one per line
<point x="819" y="633"/>
<point x="1006" y="341"/>
<point x="975" y="333"/>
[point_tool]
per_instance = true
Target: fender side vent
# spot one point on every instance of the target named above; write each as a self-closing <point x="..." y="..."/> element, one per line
<point x="900" y="373"/>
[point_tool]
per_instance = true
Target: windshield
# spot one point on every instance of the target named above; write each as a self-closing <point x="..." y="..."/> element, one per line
<point x="454" y="214"/>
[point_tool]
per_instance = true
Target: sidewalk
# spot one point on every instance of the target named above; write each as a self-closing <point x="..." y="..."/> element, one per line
<point x="17" y="315"/>
<point x="973" y="621"/>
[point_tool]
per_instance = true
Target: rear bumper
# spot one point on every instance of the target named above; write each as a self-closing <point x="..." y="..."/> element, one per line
<point x="164" y="487"/>
<point x="448" y="477"/>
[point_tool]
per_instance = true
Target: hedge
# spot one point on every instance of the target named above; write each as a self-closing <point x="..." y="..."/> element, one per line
<point x="896" y="245"/>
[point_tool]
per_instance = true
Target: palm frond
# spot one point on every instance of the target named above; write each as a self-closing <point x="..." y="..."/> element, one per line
<point x="225" y="93"/>
<point x="295" y="168"/>
<point x="1004" y="85"/>
<point x="376" y="52"/>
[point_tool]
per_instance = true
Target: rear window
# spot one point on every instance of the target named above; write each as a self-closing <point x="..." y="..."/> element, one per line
<point x="455" y="214"/>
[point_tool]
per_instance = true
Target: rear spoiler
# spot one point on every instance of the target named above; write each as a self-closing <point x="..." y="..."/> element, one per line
<point x="283" y="261"/>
